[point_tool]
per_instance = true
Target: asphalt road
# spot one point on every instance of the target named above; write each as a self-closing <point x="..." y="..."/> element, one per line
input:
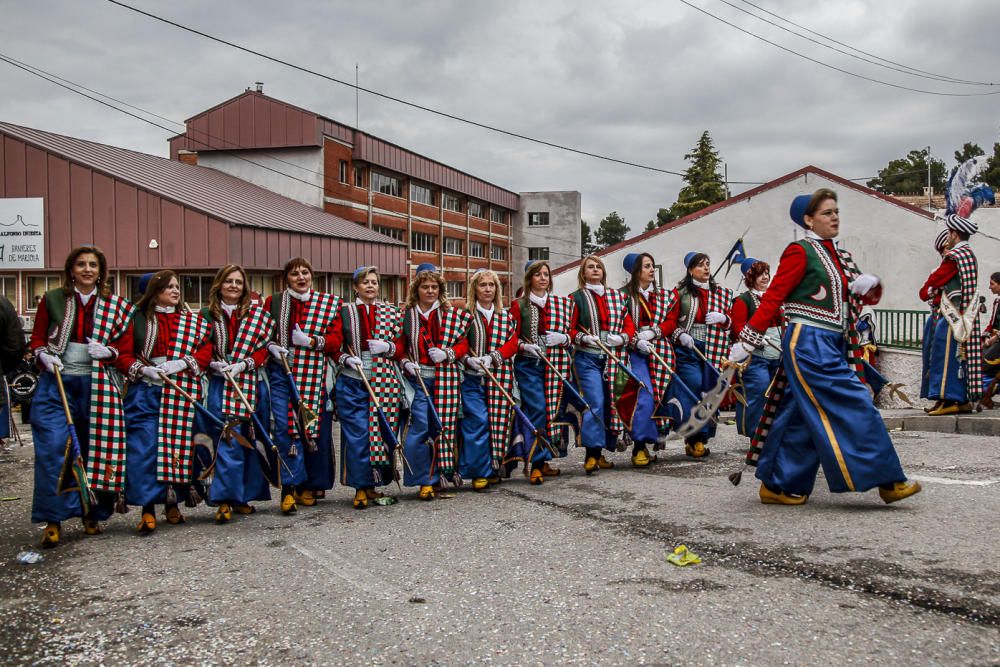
<point x="573" y="572"/>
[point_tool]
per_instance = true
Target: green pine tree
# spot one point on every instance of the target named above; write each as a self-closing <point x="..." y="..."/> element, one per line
<point x="705" y="185"/>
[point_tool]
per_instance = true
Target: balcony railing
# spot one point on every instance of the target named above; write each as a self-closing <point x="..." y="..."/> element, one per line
<point x="900" y="329"/>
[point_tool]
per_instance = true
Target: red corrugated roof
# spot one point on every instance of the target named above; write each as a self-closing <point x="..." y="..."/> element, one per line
<point x="212" y="192"/>
<point x="770" y="185"/>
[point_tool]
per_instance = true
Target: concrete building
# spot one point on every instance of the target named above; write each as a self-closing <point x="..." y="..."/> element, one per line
<point x="547" y="226"/>
<point x="444" y="216"/>
<point x="886" y="236"/>
<point x="147" y="213"/>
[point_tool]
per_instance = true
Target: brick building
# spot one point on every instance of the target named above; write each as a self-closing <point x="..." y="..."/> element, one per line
<point x="444" y="215"/>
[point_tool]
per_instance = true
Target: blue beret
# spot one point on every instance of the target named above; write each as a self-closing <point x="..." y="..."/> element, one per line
<point x="357" y="272"/>
<point x="527" y="265"/>
<point x="746" y="264"/>
<point x="687" y="259"/>
<point x="426" y="266"/>
<point x="144" y="282"/>
<point x="798" y="210"/>
<point x="629" y="262"/>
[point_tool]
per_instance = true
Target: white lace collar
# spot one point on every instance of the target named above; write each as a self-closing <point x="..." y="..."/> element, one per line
<point x="164" y="309"/>
<point x="703" y="285"/>
<point x="361" y="302"/>
<point x="649" y="290"/>
<point x="597" y="289"/>
<point x="228" y="309"/>
<point x="757" y="292"/>
<point x="85" y="298"/>
<point x="303" y="297"/>
<point x="487" y="313"/>
<point x="539" y="301"/>
<point x="427" y="314"/>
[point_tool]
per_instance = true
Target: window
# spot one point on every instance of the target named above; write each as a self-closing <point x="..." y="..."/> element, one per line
<point x="498" y="252"/>
<point x="451" y="202"/>
<point x="343" y="286"/>
<point x="38" y="286"/>
<point x="359" y="177"/>
<point x="475" y="209"/>
<point x="391" y="232"/>
<point x="419" y="193"/>
<point x="387" y="185"/>
<point x="263" y="284"/>
<point x="455" y="289"/>
<point x="423" y="242"/>
<point x="538" y="219"/>
<point x="538" y="253"/>
<point x="496" y="215"/>
<point x="454" y="246"/>
<point x="477" y="249"/>
<point x="343" y="171"/>
<point x="194" y="290"/>
<point x="8" y="288"/>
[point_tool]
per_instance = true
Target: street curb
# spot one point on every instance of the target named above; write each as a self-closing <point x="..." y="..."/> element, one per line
<point x="965" y="424"/>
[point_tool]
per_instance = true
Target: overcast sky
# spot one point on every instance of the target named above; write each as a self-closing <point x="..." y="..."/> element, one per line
<point x="638" y="81"/>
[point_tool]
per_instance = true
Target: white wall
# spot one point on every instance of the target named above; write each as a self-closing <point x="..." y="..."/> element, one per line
<point x="280" y="170"/>
<point x="561" y="237"/>
<point x="888" y="240"/>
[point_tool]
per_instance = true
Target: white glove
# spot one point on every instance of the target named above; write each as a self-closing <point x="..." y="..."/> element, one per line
<point x="554" y="339"/>
<point x="300" y="338"/>
<point x="411" y="368"/>
<point x="475" y="363"/>
<point x="354" y="363"/>
<point x="589" y="341"/>
<point x="739" y="353"/>
<point x="686" y="340"/>
<point x="98" y="351"/>
<point x="378" y="347"/>
<point x="864" y="284"/>
<point x="437" y="355"/>
<point x="152" y="372"/>
<point x="615" y="340"/>
<point x="531" y="350"/>
<point x="646" y="334"/>
<point x="173" y="366"/>
<point x="714" y="317"/>
<point x="644" y="346"/>
<point x="486" y="361"/>
<point x="236" y="369"/>
<point x="50" y="362"/>
<point x="217" y="366"/>
<point x="276" y="351"/>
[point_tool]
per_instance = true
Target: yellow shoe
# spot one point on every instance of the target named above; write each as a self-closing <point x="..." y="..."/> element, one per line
<point x="50" y="537"/>
<point x="898" y="491"/>
<point x="306" y="499"/>
<point x="495" y="479"/>
<point x="246" y="509"/>
<point x="937" y="405"/>
<point x="604" y="463"/>
<point x="480" y="484"/>
<point x="147" y="523"/>
<point x="224" y="514"/>
<point x="91" y="527"/>
<point x="697" y="450"/>
<point x="641" y="459"/>
<point x="174" y="515"/>
<point x="360" y="500"/>
<point x="288" y="504"/>
<point x="769" y="497"/>
<point x="426" y="493"/>
<point x="941" y="410"/>
<point x="536" y="477"/>
<point x="549" y="471"/>
<point x="590" y="465"/>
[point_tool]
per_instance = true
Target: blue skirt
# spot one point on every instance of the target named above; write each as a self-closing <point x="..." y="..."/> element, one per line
<point x="50" y="432"/>
<point x="594" y="432"/>
<point x="293" y="470"/>
<point x="353" y="405"/>
<point x="418" y="447"/>
<point x="825" y="417"/>
<point x="697" y="377"/>
<point x="926" y="343"/>
<point x="946" y="377"/>
<point x="530" y="375"/>
<point x="643" y="429"/>
<point x="756" y="379"/>
<point x="238" y="477"/>
<point x="475" y="457"/>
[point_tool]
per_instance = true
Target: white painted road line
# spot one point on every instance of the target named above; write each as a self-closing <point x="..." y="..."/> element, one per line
<point x="959" y="482"/>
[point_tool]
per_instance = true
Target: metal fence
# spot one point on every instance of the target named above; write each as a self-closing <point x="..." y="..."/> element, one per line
<point x="901" y="329"/>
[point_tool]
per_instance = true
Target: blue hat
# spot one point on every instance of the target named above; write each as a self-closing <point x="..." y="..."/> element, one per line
<point x="747" y="263"/>
<point x="426" y="266"/>
<point x="688" y="258"/>
<point x="629" y="262"/>
<point x="527" y="265"/>
<point x="357" y="272"/>
<point x="798" y="210"/>
<point x="144" y="282"/>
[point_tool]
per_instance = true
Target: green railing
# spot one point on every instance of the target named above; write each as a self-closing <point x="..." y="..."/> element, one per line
<point x="902" y="329"/>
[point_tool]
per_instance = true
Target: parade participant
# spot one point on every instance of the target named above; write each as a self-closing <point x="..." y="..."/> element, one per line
<point x="542" y="323"/>
<point x="819" y="411"/>
<point x="487" y="416"/>
<point x="765" y="362"/>
<point x="600" y="317"/>
<point x="991" y="334"/>
<point x="161" y="340"/>
<point x="927" y="341"/>
<point x="953" y="380"/>
<point x="239" y="332"/>
<point x="370" y="329"/>
<point x="12" y="350"/>
<point x="698" y="325"/>
<point x="306" y="330"/>
<point x="431" y="342"/>
<point x="651" y="357"/>
<point x="76" y="329"/>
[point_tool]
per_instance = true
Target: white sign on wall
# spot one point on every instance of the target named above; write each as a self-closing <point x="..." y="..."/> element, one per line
<point x="22" y="233"/>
